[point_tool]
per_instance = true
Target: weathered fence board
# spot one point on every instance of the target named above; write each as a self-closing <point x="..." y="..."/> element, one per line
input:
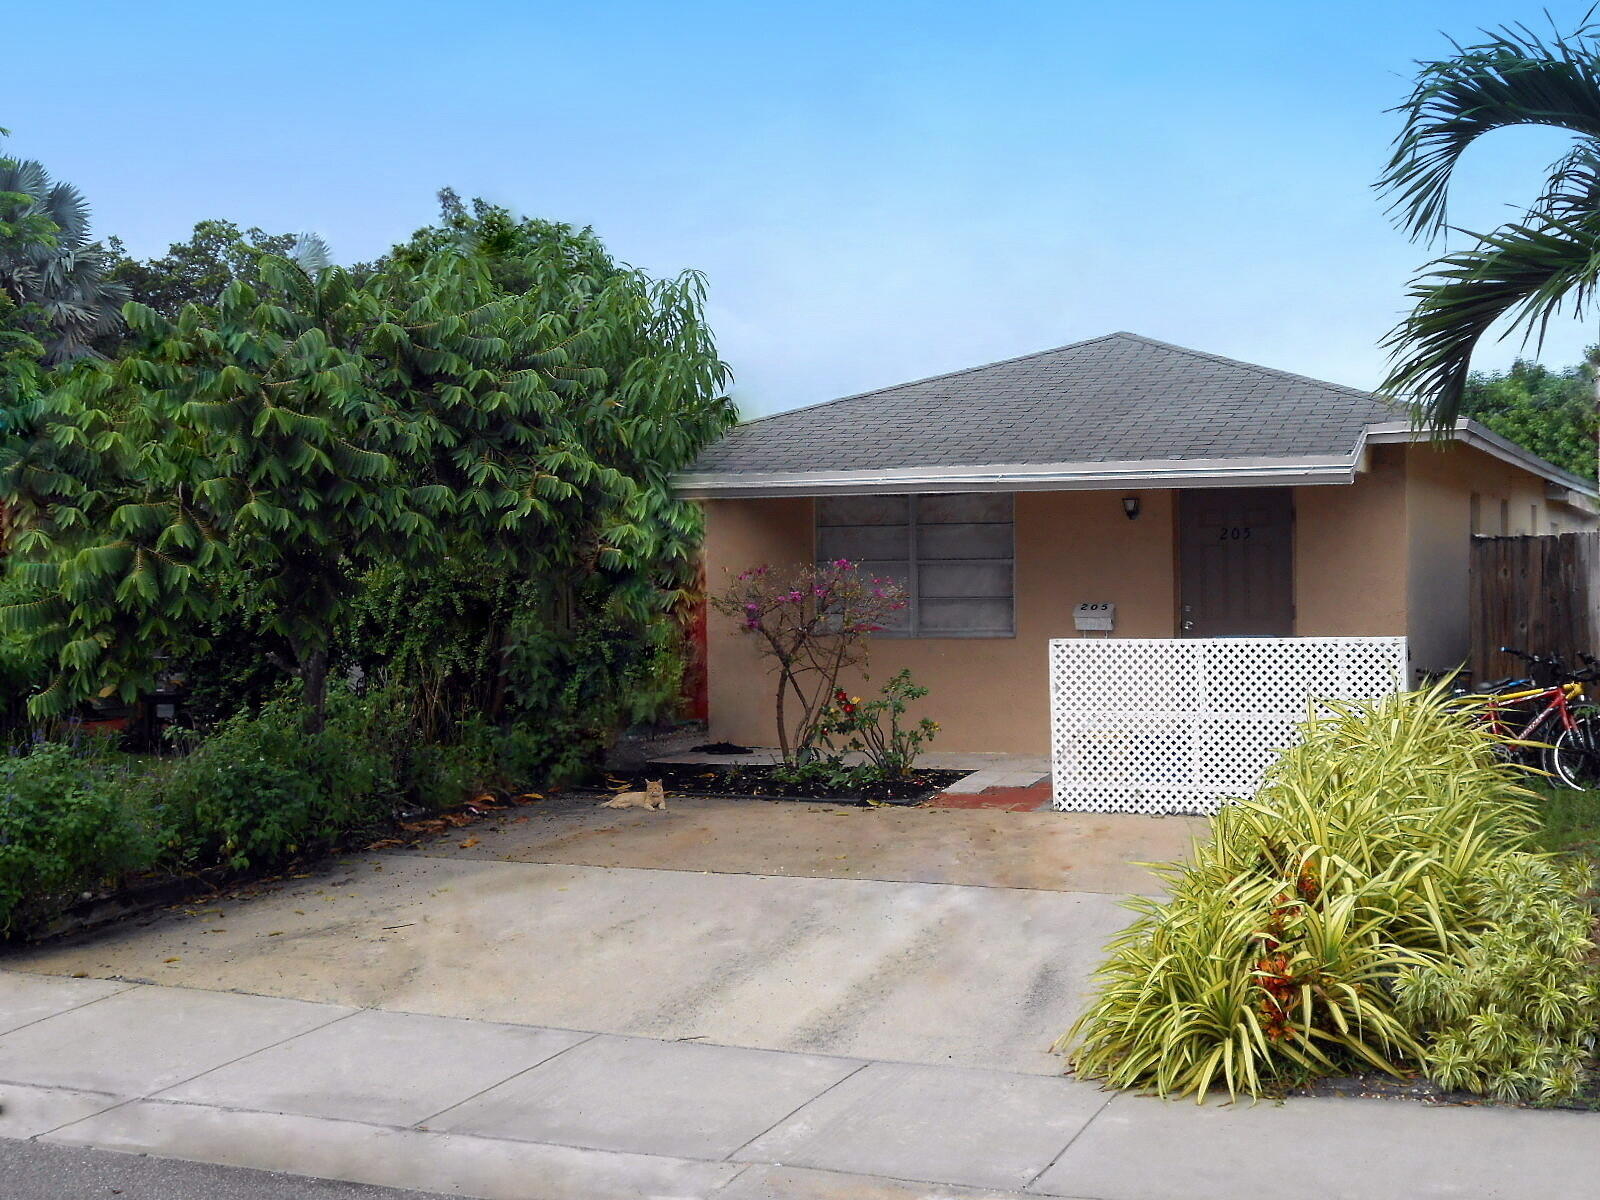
<point x="1539" y="594"/>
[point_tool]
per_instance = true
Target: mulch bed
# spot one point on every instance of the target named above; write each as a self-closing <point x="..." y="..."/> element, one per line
<point x="756" y="783"/>
<point x="1377" y="1086"/>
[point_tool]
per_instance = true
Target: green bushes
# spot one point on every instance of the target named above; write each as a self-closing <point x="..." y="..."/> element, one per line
<point x="65" y="826"/>
<point x="261" y="789"/>
<point x="1373" y="906"/>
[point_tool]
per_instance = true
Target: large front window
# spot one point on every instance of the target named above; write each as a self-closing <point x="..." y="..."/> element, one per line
<point x="953" y="553"/>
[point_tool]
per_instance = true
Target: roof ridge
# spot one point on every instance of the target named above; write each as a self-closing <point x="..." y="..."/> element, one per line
<point x="1249" y="366"/>
<point x="894" y="387"/>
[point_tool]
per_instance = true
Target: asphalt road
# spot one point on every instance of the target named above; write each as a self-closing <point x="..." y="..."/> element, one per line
<point x="39" y="1171"/>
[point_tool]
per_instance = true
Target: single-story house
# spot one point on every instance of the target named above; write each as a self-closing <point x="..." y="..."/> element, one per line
<point x="1198" y="495"/>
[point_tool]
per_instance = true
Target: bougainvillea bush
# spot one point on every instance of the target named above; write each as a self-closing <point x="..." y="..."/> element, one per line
<point x="812" y="622"/>
<point x="1374" y="905"/>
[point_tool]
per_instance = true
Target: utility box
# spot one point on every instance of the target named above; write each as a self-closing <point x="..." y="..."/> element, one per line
<point x="1099" y="616"/>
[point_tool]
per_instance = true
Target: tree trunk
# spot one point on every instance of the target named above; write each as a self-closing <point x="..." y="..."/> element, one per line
<point x="783" y="730"/>
<point x="314" y="679"/>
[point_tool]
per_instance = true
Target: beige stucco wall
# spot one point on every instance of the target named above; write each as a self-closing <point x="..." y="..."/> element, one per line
<point x="1350" y="553"/>
<point x="1386" y="555"/>
<point x="988" y="694"/>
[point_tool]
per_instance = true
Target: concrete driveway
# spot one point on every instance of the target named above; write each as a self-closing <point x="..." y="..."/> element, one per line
<point x="930" y="936"/>
<point x="731" y="1001"/>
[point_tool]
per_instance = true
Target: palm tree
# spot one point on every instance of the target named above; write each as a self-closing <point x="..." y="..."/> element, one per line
<point x="1528" y="270"/>
<point x="61" y="278"/>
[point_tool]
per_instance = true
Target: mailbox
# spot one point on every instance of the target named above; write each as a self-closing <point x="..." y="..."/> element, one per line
<point x="1098" y="616"/>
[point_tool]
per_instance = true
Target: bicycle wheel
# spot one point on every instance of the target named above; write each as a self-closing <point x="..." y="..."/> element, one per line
<point x="1575" y="757"/>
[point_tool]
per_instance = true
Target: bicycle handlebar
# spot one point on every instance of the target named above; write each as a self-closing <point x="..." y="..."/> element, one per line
<point x="1557" y="667"/>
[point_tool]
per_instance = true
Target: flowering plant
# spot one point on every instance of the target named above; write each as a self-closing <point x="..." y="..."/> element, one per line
<point x="813" y="622"/>
<point x="874" y="727"/>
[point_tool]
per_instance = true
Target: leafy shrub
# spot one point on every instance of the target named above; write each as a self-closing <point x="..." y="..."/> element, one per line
<point x="827" y="773"/>
<point x="1320" y="927"/>
<point x="65" y="826"/>
<point x="1514" y="1013"/>
<point x="574" y="689"/>
<point x="260" y="789"/>
<point x="874" y="727"/>
<point x="441" y="775"/>
<point x="24" y="667"/>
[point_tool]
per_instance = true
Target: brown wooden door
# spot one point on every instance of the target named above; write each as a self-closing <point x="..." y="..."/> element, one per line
<point x="1236" y="562"/>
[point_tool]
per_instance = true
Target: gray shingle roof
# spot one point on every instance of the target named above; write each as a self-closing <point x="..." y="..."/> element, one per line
<point x="1116" y="398"/>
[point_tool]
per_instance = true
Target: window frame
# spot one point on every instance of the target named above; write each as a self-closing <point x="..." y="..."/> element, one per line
<point x="914" y="566"/>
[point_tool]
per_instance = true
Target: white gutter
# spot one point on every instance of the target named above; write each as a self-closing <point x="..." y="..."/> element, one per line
<point x="1027" y="477"/>
<point x="1129" y="475"/>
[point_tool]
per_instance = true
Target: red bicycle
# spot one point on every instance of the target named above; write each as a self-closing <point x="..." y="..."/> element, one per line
<point x="1549" y="726"/>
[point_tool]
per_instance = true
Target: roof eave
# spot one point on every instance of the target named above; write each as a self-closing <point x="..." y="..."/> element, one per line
<point x="1025" y="477"/>
<point x="1481" y="437"/>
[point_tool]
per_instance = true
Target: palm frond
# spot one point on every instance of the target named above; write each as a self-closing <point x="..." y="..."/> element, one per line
<point x="1513" y="78"/>
<point x="311" y="254"/>
<point x="1527" y="273"/>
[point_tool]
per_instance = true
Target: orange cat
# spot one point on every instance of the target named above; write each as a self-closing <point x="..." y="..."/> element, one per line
<point x="653" y="797"/>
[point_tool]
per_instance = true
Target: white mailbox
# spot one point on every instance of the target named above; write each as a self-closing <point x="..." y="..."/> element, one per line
<point x="1095" y="616"/>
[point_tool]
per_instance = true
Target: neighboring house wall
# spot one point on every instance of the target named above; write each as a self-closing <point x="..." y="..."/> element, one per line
<point x="1386" y="555"/>
<point x="1445" y="487"/>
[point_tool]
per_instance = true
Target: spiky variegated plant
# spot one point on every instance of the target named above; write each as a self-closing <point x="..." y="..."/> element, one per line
<point x="1526" y="271"/>
<point x="1372" y="906"/>
<point x="298" y="435"/>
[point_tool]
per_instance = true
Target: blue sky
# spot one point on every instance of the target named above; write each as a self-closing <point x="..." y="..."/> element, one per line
<point x="876" y="191"/>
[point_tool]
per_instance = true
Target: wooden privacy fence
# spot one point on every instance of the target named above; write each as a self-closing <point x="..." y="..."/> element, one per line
<point x="1539" y="594"/>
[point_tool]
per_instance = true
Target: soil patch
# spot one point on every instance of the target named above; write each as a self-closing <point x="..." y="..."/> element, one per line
<point x="756" y="782"/>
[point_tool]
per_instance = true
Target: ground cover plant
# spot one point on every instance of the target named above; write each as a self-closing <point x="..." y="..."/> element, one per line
<point x="1378" y="904"/>
<point x="66" y="825"/>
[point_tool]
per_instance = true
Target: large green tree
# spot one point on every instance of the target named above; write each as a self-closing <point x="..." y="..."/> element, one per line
<point x="1526" y="271"/>
<point x="297" y="434"/>
<point x="1551" y="412"/>
<point x="196" y="271"/>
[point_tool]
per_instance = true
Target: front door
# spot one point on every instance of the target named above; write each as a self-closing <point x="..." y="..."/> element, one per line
<point x="1236" y="562"/>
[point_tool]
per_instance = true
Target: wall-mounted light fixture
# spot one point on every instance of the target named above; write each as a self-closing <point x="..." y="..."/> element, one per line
<point x="1130" y="505"/>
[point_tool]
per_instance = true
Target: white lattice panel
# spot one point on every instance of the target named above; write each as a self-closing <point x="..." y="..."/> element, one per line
<point x="1177" y="725"/>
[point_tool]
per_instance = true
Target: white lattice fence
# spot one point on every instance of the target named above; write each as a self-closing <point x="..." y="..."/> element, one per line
<point x="1176" y="725"/>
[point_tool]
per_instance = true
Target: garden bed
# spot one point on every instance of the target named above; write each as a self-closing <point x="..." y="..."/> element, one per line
<point x="153" y="892"/>
<point x="757" y="783"/>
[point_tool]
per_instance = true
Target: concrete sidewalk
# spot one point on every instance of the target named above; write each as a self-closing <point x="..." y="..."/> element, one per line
<point x="517" y="1112"/>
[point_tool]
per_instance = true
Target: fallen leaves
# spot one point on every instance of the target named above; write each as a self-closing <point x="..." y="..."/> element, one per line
<point x="469" y="843"/>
